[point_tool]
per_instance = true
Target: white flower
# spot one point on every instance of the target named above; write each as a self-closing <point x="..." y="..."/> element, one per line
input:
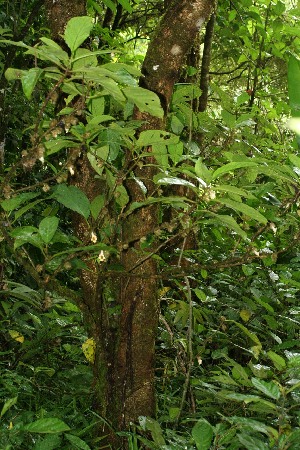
<point x="273" y="276"/>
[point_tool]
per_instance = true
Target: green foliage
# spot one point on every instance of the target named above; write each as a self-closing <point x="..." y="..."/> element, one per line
<point x="222" y="176"/>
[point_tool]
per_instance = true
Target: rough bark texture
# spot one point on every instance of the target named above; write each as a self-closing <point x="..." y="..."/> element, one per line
<point x="172" y="40"/>
<point x="60" y="11"/>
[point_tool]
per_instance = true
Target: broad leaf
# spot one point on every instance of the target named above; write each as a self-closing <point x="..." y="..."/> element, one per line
<point x="245" y="209"/>
<point x="269" y="388"/>
<point x="73" y="198"/>
<point x="145" y="100"/>
<point x="294" y="85"/>
<point x="77" y="30"/>
<point x="150" y="137"/>
<point x="230" y="167"/>
<point x="47" y="228"/>
<point x="203" y="434"/>
<point x="49" y="425"/>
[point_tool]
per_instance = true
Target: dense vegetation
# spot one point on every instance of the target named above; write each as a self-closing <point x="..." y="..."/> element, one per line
<point x="216" y="167"/>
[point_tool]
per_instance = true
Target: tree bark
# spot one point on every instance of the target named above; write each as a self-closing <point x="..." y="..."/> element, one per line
<point x="125" y="351"/>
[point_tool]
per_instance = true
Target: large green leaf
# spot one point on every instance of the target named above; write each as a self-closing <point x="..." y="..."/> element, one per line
<point x="245" y="209"/>
<point x="73" y="198"/>
<point x="294" y="85"/>
<point x="269" y="388"/>
<point x="29" y="80"/>
<point x="226" y="221"/>
<point x="203" y="434"/>
<point x="230" y="167"/>
<point x="151" y="137"/>
<point x="145" y="100"/>
<point x="77" y="30"/>
<point x="49" y="425"/>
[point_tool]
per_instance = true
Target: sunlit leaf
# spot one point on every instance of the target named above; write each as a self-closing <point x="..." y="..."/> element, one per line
<point x="77" y="30"/>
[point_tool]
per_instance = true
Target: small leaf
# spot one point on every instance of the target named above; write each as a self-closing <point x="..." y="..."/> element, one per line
<point x="203" y="434"/>
<point x="29" y="80"/>
<point x="88" y="348"/>
<point x="73" y="198"/>
<point x="77" y="30"/>
<point x="278" y="361"/>
<point x="8" y="404"/>
<point x="269" y="388"/>
<point x="49" y="425"/>
<point x="47" y="228"/>
<point x="245" y="314"/>
<point x="16" y="336"/>
<point x="121" y="196"/>
<point x="96" y="205"/>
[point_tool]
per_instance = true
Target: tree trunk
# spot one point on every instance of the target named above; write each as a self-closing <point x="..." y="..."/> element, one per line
<point x="125" y="350"/>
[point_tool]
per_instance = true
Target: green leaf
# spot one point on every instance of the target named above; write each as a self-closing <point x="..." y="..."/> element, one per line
<point x="49" y="425"/>
<point x="77" y="30"/>
<point x="84" y="58"/>
<point x="121" y="196"/>
<point x="29" y="80"/>
<point x="14" y="202"/>
<point x="248" y="333"/>
<point x="96" y="205"/>
<point x="230" y="167"/>
<point x="50" y="442"/>
<point x="12" y="74"/>
<point x="149" y="424"/>
<point x="47" y="228"/>
<point x="252" y="443"/>
<point x="73" y="198"/>
<point x="203" y="434"/>
<point x="253" y="425"/>
<point x="8" y="404"/>
<point x="145" y="100"/>
<point x="294" y="85"/>
<point x="55" y="145"/>
<point x="245" y="209"/>
<point x="202" y="171"/>
<point x="278" y="361"/>
<point x="151" y="137"/>
<point x="175" y="152"/>
<point x="77" y="442"/>
<point x="269" y="388"/>
<point x="228" y="222"/>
